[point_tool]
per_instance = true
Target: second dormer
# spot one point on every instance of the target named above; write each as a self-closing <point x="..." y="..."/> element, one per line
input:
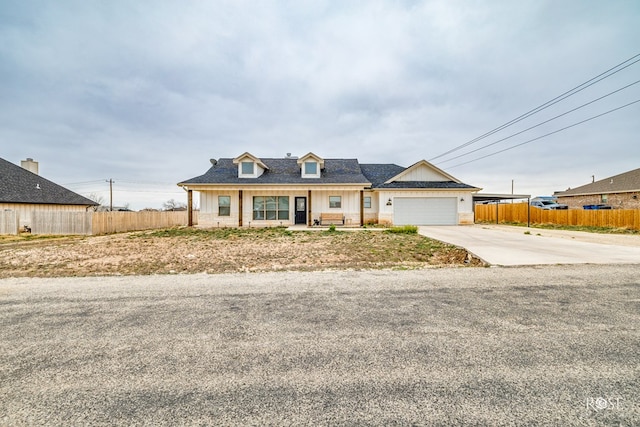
<point x="249" y="166"/>
<point x="311" y="165"/>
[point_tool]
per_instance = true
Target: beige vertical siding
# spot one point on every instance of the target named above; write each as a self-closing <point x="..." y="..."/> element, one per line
<point x="9" y="222"/>
<point x="24" y="210"/>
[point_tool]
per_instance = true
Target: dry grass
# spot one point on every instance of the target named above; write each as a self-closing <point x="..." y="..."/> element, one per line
<point x="187" y="250"/>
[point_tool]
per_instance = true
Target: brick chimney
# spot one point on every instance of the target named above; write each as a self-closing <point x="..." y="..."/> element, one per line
<point x="30" y="165"/>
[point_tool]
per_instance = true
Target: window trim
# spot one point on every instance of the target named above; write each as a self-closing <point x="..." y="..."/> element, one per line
<point x="307" y="174"/>
<point x="226" y="206"/>
<point x="333" y="204"/>
<point x="309" y="164"/>
<point x="280" y="213"/>
<point x="242" y="168"/>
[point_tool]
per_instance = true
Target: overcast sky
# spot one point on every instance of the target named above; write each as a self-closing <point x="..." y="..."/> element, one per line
<point x="146" y="92"/>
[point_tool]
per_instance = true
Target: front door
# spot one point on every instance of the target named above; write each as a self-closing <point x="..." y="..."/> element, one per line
<point x="301" y="210"/>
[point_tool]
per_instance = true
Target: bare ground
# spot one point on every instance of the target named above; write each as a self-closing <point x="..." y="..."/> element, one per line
<point x="187" y="250"/>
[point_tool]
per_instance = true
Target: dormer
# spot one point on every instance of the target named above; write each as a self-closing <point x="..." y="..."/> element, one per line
<point x="249" y="166"/>
<point x="311" y="165"/>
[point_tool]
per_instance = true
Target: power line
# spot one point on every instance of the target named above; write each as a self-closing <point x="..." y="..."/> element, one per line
<point x="545" y="135"/>
<point x="83" y="182"/>
<point x="547" y="104"/>
<point x="540" y="124"/>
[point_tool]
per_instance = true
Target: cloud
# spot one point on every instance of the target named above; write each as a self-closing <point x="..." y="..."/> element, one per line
<point x="149" y="91"/>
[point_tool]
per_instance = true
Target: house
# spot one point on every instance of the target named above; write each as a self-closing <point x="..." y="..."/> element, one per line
<point x="620" y="191"/>
<point x="248" y="191"/>
<point x="22" y="190"/>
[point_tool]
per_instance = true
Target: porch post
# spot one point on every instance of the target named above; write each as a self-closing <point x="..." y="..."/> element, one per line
<point x="190" y="208"/>
<point x="361" y="208"/>
<point x="309" y="221"/>
<point x="240" y="208"/>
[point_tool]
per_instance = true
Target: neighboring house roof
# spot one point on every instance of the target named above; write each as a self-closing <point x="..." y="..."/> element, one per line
<point x="18" y="185"/>
<point x="622" y="183"/>
<point x="283" y="171"/>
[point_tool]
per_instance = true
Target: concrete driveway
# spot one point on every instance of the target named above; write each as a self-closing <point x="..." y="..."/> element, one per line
<point x="507" y="245"/>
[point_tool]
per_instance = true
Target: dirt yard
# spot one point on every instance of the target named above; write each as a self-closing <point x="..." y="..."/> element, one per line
<point x="185" y="250"/>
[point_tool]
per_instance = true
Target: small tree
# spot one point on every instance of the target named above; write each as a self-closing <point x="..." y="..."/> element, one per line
<point x="96" y="198"/>
<point x="172" y="205"/>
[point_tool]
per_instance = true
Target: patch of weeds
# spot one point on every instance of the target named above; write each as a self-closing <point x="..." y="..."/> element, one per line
<point x="527" y="233"/>
<point x="404" y="229"/>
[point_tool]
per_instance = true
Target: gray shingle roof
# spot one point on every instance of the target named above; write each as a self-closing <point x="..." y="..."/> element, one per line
<point x="622" y="183"/>
<point x="283" y="171"/>
<point x="336" y="171"/>
<point x="378" y="174"/>
<point x="18" y="185"/>
<point x="449" y="185"/>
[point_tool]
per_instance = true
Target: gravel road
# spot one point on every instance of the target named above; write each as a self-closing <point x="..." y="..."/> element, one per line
<point x="553" y="345"/>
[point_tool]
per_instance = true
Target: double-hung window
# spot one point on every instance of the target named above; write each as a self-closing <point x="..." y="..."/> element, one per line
<point x="335" y="201"/>
<point x="224" y="205"/>
<point x="367" y="202"/>
<point x="310" y="168"/>
<point x="247" y="168"/>
<point x="271" y="207"/>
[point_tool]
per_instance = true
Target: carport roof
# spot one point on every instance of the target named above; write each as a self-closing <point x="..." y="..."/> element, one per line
<point x="487" y="197"/>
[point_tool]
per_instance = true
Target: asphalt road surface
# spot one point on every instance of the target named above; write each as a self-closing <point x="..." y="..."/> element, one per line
<point x="555" y="345"/>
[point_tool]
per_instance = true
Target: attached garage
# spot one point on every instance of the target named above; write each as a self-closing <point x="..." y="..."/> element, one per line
<point x="425" y="211"/>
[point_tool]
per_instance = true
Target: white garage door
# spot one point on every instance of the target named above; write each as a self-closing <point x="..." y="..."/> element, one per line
<point x="425" y="210"/>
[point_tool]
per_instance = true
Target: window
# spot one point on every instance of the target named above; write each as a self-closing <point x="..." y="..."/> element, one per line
<point x="604" y="198"/>
<point x="367" y="202"/>
<point x="224" y="205"/>
<point x="271" y="207"/>
<point x="335" y="201"/>
<point x="310" y="168"/>
<point x="247" y="168"/>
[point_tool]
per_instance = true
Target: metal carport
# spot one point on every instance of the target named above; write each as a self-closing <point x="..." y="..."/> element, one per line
<point x="488" y="197"/>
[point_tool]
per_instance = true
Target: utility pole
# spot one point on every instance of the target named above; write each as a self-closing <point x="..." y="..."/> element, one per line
<point x="512" y="191"/>
<point x="110" y="181"/>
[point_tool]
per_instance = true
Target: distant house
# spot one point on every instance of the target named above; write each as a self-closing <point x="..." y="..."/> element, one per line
<point x="24" y="191"/>
<point x="252" y="191"/>
<point x="620" y="191"/>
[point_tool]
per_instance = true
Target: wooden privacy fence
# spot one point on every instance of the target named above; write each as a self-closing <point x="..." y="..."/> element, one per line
<point x="118" y="222"/>
<point x="89" y="223"/>
<point x="517" y="212"/>
<point x="60" y="222"/>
